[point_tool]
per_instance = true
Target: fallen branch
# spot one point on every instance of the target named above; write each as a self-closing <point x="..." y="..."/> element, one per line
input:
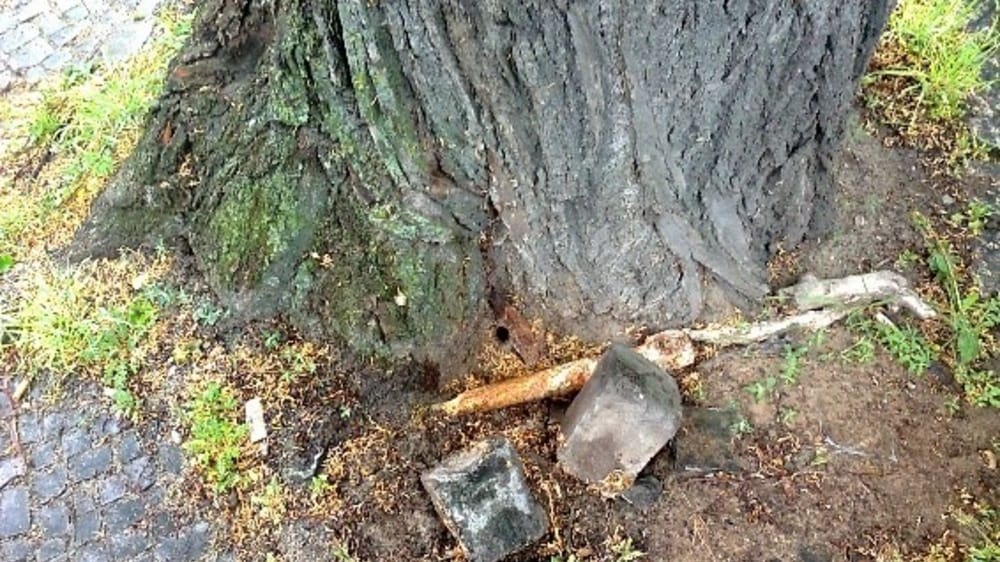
<point x="857" y="291"/>
<point x="824" y="302"/>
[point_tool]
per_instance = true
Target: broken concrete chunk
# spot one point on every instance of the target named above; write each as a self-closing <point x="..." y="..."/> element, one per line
<point x="627" y="411"/>
<point x="483" y="498"/>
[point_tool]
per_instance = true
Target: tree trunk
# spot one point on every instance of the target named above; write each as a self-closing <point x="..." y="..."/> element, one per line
<point x="380" y="170"/>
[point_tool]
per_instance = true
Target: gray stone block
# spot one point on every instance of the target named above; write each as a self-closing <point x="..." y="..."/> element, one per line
<point x="90" y="464"/>
<point x="128" y="448"/>
<point x="74" y="442"/>
<point x="47" y="485"/>
<point x="111" y="488"/>
<point x="50" y="550"/>
<point x="30" y="54"/>
<point x="16" y="512"/>
<point x="86" y="523"/>
<point x="44" y="454"/>
<point x="11" y="468"/>
<point x="484" y="500"/>
<point x="123" y="514"/>
<point x="53" y="520"/>
<point x="188" y="546"/>
<point x="19" y="550"/>
<point x="627" y="411"/>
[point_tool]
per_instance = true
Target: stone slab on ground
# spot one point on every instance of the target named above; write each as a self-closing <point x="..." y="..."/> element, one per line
<point x="628" y="410"/>
<point x="484" y="500"/>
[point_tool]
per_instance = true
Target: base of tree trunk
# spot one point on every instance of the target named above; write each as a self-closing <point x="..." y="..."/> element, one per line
<point x="379" y="172"/>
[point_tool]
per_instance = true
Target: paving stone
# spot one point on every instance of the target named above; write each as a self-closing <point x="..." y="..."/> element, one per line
<point x="77" y="13"/>
<point x="53" y="520"/>
<point x="18" y="37"/>
<point x="91" y="463"/>
<point x="53" y="425"/>
<point x="163" y="524"/>
<point x="67" y="34"/>
<point x="44" y="454"/>
<point x="140" y="473"/>
<point x="30" y="10"/>
<point x="29" y="428"/>
<point x="74" y="442"/>
<point x="986" y="261"/>
<point x="123" y="514"/>
<point x="18" y="550"/>
<point x="128" y="544"/>
<point x="93" y="553"/>
<point x="50" y="484"/>
<point x="48" y="23"/>
<point x="483" y="498"/>
<point x="30" y="54"/>
<point x="107" y="426"/>
<point x="50" y="550"/>
<point x="14" y="506"/>
<point x="127" y="40"/>
<point x="628" y="410"/>
<point x="86" y="524"/>
<point x="11" y="468"/>
<point x="128" y="448"/>
<point x="111" y="488"/>
<point x="7" y="22"/>
<point x="171" y="458"/>
<point x="5" y="407"/>
<point x="188" y="546"/>
<point x="34" y="74"/>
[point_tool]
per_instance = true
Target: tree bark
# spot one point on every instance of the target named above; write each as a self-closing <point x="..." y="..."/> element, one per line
<point x="381" y="170"/>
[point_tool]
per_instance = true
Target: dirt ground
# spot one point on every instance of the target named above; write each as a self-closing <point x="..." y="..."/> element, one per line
<point x="853" y="461"/>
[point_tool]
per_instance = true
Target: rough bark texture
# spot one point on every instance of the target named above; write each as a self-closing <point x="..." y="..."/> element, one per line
<point x="607" y="163"/>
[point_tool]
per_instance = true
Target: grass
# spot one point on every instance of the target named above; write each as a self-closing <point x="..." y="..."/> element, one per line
<point x="217" y="437"/>
<point x="907" y="345"/>
<point x="77" y="133"/>
<point x="92" y="320"/>
<point x="927" y="65"/>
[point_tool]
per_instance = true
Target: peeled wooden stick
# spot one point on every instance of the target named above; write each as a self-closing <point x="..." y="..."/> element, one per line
<point x="754" y="333"/>
<point x="670" y="350"/>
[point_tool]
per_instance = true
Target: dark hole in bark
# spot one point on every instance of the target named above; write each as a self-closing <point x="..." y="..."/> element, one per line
<point x="502" y="334"/>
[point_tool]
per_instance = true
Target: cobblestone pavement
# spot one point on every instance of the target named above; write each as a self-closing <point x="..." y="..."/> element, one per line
<point x="80" y="485"/>
<point x="40" y="37"/>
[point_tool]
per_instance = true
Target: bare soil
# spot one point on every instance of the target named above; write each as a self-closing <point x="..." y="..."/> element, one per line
<point x="854" y="461"/>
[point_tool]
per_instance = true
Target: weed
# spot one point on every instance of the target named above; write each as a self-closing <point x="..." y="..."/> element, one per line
<point x="907" y="259"/>
<point x="270" y="502"/>
<point x="6" y="263"/>
<point x="907" y="345"/>
<point x="216" y="436"/>
<point x="319" y="485"/>
<point x="762" y="389"/>
<point x="786" y="416"/>
<point x="625" y="551"/>
<point x="741" y="427"/>
<point x="974" y="218"/>
<point x="207" y="314"/>
<point x="982" y="523"/>
<point x="969" y="316"/>
<point x="341" y="554"/>
<point x="791" y="365"/>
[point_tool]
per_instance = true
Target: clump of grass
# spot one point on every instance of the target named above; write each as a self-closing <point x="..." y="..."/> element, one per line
<point x="970" y="319"/>
<point x="92" y="320"/>
<point x="79" y="131"/>
<point x="925" y="68"/>
<point x="217" y="436"/>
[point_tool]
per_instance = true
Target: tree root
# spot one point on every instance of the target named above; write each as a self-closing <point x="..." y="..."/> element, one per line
<point x="823" y="302"/>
